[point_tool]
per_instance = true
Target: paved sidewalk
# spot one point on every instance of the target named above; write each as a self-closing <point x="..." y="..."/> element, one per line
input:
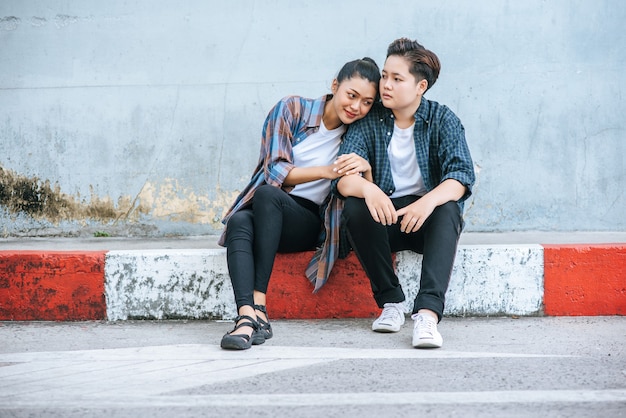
<point x="210" y="241"/>
<point x="488" y="367"/>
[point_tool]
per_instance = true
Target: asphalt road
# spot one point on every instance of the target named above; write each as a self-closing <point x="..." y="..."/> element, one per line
<point x="488" y="367"/>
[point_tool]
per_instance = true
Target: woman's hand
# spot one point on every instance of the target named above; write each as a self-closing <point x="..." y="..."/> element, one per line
<point x="344" y="165"/>
<point x="352" y="163"/>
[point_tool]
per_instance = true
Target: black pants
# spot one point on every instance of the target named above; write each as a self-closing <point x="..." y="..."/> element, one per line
<point x="374" y="244"/>
<point x="276" y="222"/>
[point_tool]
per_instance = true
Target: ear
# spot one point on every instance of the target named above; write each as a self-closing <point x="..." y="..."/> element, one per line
<point x="334" y="86"/>
<point x="422" y="85"/>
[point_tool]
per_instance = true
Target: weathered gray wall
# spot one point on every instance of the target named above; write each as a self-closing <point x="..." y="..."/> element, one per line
<point x="144" y="117"/>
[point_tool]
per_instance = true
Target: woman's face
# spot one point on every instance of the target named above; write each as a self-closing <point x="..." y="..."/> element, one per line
<point x="398" y="87"/>
<point x="353" y="98"/>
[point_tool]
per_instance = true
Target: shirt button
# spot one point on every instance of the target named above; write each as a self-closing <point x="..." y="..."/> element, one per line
<point x="388" y="133"/>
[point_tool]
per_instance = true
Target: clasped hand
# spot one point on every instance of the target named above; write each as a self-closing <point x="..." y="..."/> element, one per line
<point x="352" y="163"/>
<point x="411" y="217"/>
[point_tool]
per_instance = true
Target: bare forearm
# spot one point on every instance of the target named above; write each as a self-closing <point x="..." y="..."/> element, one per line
<point x="448" y="190"/>
<point x="352" y="186"/>
<point x="299" y="175"/>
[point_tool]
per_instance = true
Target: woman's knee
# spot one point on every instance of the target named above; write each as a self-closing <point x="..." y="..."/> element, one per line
<point x="240" y="225"/>
<point x="268" y="193"/>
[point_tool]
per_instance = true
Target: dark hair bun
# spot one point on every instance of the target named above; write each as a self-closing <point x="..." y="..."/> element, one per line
<point x="368" y="59"/>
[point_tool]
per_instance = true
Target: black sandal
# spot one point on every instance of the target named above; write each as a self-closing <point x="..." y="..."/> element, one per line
<point x="243" y="341"/>
<point x="264" y="325"/>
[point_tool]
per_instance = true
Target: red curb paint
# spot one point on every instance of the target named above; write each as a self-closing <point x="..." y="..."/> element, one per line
<point x="52" y="286"/>
<point x="346" y="294"/>
<point x="585" y="279"/>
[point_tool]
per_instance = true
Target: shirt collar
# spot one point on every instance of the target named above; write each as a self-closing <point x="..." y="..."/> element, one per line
<point x="422" y="112"/>
<point x="315" y="120"/>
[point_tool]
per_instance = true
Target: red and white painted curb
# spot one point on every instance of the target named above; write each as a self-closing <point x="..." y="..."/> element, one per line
<point x="487" y="280"/>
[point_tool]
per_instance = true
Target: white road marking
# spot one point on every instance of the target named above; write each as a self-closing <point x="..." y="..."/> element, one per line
<point x="327" y="399"/>
<point x="146" y="376"/>
<point x="213" y="352"/>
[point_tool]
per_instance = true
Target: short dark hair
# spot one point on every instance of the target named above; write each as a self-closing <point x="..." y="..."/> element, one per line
<point x="423" y="63"/>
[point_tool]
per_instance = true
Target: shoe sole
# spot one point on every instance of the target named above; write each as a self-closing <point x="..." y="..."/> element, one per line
<point x="240" y="344"/>
<point x="384" y="329"/>
<point x="227" y="345"/>
<point x="427" y="344"/>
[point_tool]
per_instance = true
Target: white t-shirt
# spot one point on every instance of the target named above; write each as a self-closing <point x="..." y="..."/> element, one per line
<point x="319" y="149"/>
<point x="405" y="171"/>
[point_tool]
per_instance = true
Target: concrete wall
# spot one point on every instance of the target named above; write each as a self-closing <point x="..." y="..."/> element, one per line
<point x="144" y="117"/>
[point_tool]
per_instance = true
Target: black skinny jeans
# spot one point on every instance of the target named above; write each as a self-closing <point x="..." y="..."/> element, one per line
<point x="275" y="223"/>
<point x="374" y="244"/>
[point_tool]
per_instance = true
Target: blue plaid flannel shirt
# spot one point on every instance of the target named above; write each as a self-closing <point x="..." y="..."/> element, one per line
<point x="440" y="146"/>
<point x="292" y="120"/>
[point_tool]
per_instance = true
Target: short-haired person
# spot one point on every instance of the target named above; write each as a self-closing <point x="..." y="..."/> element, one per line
<point x="422" y="172"/>
<point x="287" y="205"/>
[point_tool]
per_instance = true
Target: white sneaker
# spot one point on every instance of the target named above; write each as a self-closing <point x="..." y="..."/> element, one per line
<point x="425" y="334"/>
<point x="391" y="319"/>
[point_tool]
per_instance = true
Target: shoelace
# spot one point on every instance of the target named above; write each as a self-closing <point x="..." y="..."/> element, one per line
<point x="425" y="326"/>
<point x="390" y="312"/>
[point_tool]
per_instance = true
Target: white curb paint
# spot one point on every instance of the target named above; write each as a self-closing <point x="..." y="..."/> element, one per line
<point x="486" y="280"/>
<point x="168" y="284"/>
<point x="162" y="284"/>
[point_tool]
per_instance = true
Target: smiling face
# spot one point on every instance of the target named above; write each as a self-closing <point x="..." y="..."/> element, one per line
<point x="352" y="99"/>
<point x="399" y="90"/>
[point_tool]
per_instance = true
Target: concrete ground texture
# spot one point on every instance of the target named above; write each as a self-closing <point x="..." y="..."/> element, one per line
<point x="488" y="367"/>
<point x="534" y="326"/>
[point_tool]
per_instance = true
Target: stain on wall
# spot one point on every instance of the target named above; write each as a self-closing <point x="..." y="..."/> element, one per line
<point x="9" y="23"/>
<point x="40" y="199"/>
<point x="167" y="200"/>
<point x="171" y="201"/>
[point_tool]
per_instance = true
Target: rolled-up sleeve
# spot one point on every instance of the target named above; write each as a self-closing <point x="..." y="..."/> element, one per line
<point x="454" y="155"/>
<point x="276" y="148"/>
